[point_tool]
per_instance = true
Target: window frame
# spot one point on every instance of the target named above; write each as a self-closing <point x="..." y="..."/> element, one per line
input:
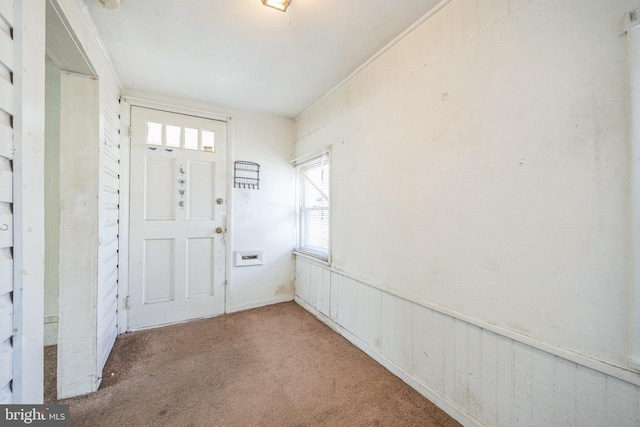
<point x="303" y="212"/>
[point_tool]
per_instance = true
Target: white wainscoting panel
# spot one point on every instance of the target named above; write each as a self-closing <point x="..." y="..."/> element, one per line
<point x="478" y="376"/>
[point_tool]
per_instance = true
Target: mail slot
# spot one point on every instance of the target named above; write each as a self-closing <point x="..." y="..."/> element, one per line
<point x="245" y="258"/>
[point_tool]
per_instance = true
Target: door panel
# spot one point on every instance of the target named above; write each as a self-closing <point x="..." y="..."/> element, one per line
<point x="177" y="266"/>
<point x="159" y="194"/>
<point x="200" y="273"/>
<point x="159" y="258"/>
<point x="201" y="190"/>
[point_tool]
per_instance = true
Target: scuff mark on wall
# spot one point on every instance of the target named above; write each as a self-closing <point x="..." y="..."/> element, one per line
<point x="285" y="289"/>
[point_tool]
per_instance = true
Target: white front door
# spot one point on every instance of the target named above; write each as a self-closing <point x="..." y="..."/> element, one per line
<point x="177" y="218"/>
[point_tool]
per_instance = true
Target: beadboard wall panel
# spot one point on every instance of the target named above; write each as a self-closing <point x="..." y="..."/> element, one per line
<point x="478" y="376"/>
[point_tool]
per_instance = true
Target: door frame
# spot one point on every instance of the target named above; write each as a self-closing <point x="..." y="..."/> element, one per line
<point x="171" y="105"/>
<point x="28" y="196"/>
<point x="79" y="368"/>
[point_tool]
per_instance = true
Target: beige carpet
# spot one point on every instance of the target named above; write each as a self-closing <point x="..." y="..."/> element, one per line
<point x="50" y="374"/>
<point x="271" y="366"/>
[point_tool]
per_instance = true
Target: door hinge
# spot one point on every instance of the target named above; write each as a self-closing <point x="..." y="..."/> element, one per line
<point x="225" y="283"/>
<point x="129" y="132"/>
<point x="127" y="302"/>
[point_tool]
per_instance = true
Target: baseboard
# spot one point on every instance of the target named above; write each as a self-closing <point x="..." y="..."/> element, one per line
<point x="258" y="304"/>
<point x="51" y="333"/>
<point x="451" y="408"/>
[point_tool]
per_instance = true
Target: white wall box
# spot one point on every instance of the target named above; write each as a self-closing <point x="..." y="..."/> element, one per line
<point x="249" y="257"/>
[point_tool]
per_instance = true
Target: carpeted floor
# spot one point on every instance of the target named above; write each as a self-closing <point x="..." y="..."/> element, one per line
<point x="271" y="366"/>
<point x="50" y="374"/>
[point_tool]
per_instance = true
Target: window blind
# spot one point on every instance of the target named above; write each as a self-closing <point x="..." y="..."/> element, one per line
<point x="312" y="182"/>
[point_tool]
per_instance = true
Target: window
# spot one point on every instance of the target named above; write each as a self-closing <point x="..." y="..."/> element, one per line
<point x="312" y="206"/>
<point x="180" y="137"/>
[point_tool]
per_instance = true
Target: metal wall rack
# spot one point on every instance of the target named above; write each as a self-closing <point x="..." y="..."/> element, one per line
<point x="246" y="175"/>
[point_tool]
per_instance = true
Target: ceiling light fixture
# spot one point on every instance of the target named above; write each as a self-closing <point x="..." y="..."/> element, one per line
<point x="281" y="5"/>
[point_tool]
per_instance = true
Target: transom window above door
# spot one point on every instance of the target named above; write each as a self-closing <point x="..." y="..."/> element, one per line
<point x="172" y="136"/>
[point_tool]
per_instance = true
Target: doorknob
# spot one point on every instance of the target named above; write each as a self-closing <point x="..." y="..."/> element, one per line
<point x="219" y="230"/>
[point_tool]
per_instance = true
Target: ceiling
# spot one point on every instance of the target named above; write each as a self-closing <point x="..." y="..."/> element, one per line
<point x="241" y="55"/>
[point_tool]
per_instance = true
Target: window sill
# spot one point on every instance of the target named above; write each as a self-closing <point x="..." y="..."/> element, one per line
<point x="312" y="258"/>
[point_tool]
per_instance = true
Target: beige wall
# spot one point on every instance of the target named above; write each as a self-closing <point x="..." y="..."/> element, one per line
<point x="481" y="212"/>
<point x="256" y="219"/>
<point x="481" y="164"/>
<point x="78" y="371"/>
<point x="52" y="203"/>
<point x="263" y="219"/>
<point x="89" y="168"/>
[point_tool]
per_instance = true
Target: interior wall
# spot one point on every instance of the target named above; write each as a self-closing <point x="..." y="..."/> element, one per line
<point x="482" y="166"/>
<point x="78" y="267"/>
<point x="73" y="45"/>
<point x="262" y="219"/>
<point x="633" y="35"/>
<point x="479" y="373"/>
<point x="256" y="219"/>
<point x="52" y="203"/>
<point x="26" y="99"/>
<point x="480" y="227"/>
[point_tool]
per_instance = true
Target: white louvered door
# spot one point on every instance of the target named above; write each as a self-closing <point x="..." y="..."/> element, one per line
<point x="6" y="199"/>
<point x="109" y="214"/>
